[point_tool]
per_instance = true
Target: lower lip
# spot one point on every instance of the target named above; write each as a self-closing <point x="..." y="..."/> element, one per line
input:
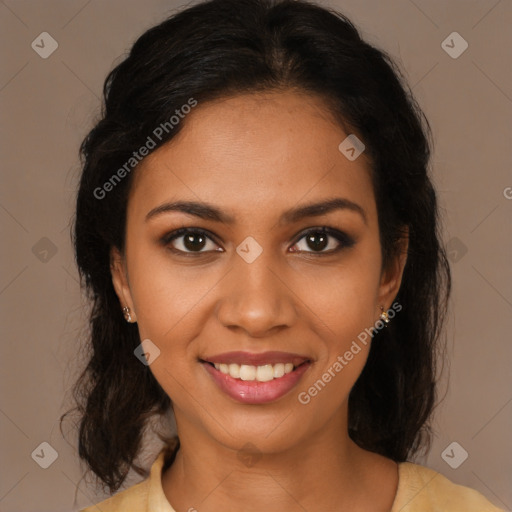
<point x="253" y="391"/>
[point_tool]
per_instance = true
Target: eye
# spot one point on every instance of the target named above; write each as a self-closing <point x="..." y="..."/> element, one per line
<point x="319" y="239"/>
<point x="193" y="241"/>
<point x="189" y="241"/>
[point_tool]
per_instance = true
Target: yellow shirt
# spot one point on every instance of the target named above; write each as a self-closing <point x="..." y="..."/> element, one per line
<point x="420" y="489"/>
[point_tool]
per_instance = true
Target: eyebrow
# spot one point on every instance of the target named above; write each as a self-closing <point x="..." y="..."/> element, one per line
<point x="210" y="212"/>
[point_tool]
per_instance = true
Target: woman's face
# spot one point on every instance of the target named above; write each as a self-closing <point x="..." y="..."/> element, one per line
<point x="259" y="288"/>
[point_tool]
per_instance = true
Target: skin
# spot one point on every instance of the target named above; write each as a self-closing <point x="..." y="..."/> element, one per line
<point x="255" y="156"/>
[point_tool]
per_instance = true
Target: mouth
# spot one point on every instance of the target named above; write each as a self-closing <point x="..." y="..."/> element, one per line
<point x="256" y="378"/>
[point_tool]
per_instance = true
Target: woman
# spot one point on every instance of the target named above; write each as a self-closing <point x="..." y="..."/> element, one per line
<point x="259" y="233"/>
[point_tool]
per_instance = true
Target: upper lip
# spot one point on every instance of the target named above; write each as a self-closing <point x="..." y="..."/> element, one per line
<point x="258" y="359"/>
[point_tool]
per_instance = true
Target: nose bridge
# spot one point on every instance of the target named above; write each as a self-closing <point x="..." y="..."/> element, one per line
<point x="255" y="298"/>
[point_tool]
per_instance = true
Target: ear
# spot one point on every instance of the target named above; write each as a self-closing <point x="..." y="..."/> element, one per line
<point x="120" y="281"/>
<point x="391" y="277"/>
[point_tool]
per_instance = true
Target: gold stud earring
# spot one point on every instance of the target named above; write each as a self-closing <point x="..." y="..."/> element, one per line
<point x="126" y="313"/>
<point x="384" y="316"/>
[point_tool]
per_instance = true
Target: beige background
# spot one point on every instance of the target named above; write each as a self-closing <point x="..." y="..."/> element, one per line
<point x="48" y="105"/>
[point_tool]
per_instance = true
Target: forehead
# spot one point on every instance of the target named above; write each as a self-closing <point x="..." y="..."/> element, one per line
<point x="253" y="151"/>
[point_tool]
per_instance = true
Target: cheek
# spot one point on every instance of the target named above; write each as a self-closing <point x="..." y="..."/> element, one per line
<point x="343" y="297"/>
<point x="165" y="293"/>
<point x="347" y="312"/>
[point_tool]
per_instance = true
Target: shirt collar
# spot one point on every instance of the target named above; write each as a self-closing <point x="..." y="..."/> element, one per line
<point x="157" y="501"/>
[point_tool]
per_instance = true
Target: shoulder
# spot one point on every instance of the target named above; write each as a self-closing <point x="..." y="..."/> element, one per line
<point x="146" y="496"/>
<point x="134" y="499"/>
<point x="421" y="489"/>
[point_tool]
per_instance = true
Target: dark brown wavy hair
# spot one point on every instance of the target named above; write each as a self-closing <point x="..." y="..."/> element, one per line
<point x="220" y="48"/>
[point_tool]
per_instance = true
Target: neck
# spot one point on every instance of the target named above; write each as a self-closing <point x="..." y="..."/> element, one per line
<point x="327" y="472"/>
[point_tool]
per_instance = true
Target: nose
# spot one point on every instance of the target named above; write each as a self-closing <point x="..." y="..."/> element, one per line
<point x="255" y="298"/>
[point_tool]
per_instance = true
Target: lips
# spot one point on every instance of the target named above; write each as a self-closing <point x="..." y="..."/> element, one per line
<point x="261" y="359"/>
<point x="251" y="382"/>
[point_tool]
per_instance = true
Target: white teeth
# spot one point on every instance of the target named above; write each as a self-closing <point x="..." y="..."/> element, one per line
<point x="262" y="373"/>
<point x="247" y="372"/>
<point x="234" y="370"/>
<point x="278" y="370"/>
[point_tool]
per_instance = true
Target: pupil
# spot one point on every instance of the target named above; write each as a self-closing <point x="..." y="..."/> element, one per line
<point x="315" y="245"/>
<point x="189" y="241"/>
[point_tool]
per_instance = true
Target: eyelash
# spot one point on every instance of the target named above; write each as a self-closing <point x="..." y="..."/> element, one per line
<point x="344" y="240"/>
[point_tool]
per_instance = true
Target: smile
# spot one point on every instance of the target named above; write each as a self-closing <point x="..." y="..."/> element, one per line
<point x="256" y="378"/>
